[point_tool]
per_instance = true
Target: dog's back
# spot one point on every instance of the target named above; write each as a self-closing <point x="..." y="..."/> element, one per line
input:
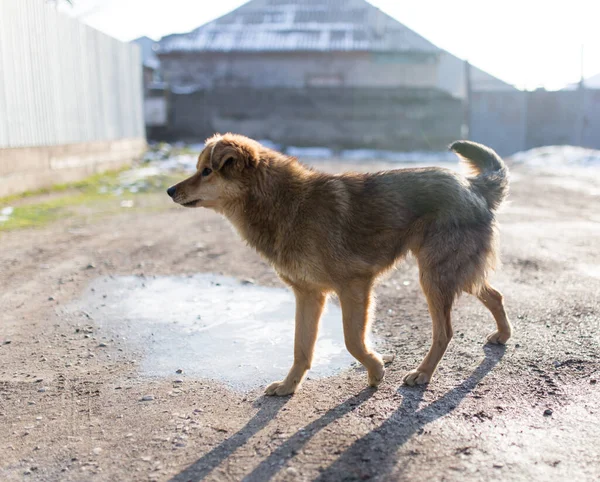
<point x="360" y="224"/>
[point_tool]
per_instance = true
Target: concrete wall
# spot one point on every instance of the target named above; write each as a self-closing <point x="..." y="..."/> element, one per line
<point x="298" y="70"/>
<point x="400" y="119"/>
<point x="555" y="118"/>
<point x="499" y="120"/>
<point x="591" y="119"/>
<point x="30" y="168"/>
<point x="515" y="121"/>
<point x="66" y="90"/>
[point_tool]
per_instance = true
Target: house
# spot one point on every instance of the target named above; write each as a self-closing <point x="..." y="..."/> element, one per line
<point x="339" y="73"/>
<point x="295" y="43"/>
<point x="315" y="43"/>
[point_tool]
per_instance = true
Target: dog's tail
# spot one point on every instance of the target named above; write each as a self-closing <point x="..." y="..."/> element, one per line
<point x="489" y="173"/>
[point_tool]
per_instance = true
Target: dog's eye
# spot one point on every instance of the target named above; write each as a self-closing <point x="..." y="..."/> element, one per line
<point x="206" y="171"/>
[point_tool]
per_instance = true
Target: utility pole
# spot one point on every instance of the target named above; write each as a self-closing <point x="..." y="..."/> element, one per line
<point x="466" y="134"/>
<point x="582" y="66"/>
<point x="582" y="119"/>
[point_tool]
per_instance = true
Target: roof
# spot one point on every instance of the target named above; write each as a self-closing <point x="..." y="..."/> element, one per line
<point x="300" y="25"/>
<point x="149" y="58"/>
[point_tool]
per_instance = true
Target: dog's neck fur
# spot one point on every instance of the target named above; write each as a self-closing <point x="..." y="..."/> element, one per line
<point x="280" y="185"/>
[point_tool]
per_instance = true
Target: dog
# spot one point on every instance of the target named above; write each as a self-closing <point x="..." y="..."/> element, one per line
<point x="338" y="233"/>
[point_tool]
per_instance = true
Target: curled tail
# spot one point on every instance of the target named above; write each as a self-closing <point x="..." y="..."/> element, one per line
<point x="489" y="173"/>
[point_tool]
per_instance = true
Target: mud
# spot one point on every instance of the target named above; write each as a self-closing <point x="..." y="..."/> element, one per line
<point x="78" y="402"/>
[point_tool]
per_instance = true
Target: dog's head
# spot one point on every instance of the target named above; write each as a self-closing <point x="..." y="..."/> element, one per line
<point x="222" y="171"/>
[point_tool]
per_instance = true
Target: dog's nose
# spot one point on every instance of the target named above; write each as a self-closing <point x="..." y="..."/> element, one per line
<point x="171" y="191"/>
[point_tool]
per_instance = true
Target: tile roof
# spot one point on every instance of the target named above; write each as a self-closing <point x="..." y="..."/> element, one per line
<point x="300" y="25"/>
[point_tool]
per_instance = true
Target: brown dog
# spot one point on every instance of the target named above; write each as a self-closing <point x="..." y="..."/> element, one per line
<point x="337" y="233"/>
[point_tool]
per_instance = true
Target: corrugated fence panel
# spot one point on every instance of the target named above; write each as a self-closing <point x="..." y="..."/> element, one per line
<point x="62" y="82"/>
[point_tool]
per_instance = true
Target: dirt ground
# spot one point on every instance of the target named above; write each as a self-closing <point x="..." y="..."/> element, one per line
<point x="71" y="396"/>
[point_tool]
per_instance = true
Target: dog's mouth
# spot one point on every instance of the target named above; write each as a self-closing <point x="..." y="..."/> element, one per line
<point x="191" y="204"/>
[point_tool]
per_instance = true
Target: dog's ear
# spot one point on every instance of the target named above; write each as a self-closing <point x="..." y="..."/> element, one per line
<point x="233" y="154"/>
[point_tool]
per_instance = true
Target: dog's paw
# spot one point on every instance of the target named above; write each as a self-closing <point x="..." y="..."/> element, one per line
<point x="375" y="378"/>
<point x="498" y="338"/>
<point x="387" y="359"/>
<point x="280" y="389"/>
<point x="416" y="377"/>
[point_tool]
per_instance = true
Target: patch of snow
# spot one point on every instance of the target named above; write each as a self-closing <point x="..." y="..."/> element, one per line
<point x="270" y="144"/>
<point x="404" y="157"/>
<point x="558" y="156"/>
<point x="181" y="162"/>
<point x="569" y="167"/>
<point x="5" y="214"/>
<point x="310" y="152"/>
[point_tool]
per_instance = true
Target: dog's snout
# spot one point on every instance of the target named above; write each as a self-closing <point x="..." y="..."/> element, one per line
<point x="171" y="191"/>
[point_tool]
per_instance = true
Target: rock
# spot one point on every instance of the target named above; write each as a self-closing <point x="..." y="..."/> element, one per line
<point x="42" y="390"/>
<point x="90" y="266"/>
<point x="7" y="342"/>
<point x="97" y="451"/>
<point x="180" y="371"/>
<point x="102" y="345"/>
<point x="179" y="380"/>
<point x="51" y="298"/>
<point x="147" y="398"/>
<point x="593" y="381"/>
<point x="248" y="281"/>
<point x="291" y="471"/>
<point x="548" y="412"/>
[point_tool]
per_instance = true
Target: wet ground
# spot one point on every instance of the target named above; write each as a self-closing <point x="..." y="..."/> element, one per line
<point x="89" y="388"/>
<point x="209" y="326"/>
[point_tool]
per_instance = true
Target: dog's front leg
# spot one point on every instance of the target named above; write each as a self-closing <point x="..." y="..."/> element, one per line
<point x="309" y="307"/>
<point x="355" y="300"/>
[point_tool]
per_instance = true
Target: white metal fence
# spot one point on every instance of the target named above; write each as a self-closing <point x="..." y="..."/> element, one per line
<point x="62" y="82"/>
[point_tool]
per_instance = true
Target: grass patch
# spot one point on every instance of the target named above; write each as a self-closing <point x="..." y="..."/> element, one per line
<point x="101" y="194"/>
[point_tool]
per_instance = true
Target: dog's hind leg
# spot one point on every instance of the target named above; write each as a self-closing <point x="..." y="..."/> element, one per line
<point x="355" y="299"/>
<point x="309" y="307"/>
<point x="440" y="305"/>
<point x="492" y="299"/>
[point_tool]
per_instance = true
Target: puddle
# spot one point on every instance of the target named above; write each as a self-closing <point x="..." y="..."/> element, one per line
<point x="210" y="327"/>
<point x="590" y="270"/>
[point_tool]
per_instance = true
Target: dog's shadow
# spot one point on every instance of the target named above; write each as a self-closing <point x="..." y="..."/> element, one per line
<point x="372" y="455"/>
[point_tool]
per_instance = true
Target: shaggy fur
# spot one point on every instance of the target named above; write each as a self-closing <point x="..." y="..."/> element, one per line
<point x="337" y="233"/>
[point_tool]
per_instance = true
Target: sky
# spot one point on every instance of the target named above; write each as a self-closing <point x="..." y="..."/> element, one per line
<point x="528" y="43"/>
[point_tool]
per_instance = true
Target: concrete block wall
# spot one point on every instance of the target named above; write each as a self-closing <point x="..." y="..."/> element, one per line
<point x="30" y="168"/>
<point x="399" y="119"/>
<point x="516" y="121"/>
